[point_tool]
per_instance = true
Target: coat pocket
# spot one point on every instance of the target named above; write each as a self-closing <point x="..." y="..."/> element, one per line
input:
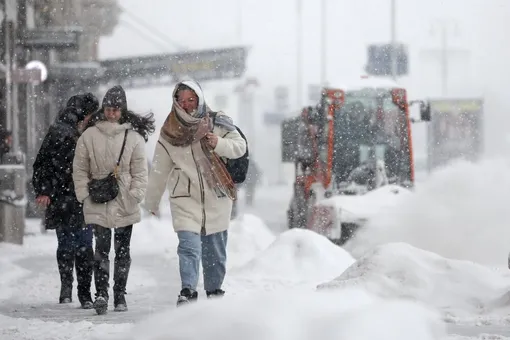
<point x="181" y="184"/>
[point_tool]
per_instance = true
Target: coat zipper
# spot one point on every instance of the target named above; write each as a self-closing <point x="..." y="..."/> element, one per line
<point x="202" y="193"/>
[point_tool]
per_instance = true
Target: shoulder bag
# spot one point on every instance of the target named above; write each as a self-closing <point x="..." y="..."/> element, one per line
<point x="106" y="189"/>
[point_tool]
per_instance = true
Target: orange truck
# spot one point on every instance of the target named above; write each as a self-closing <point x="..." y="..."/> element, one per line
<point x="355" y="140"/>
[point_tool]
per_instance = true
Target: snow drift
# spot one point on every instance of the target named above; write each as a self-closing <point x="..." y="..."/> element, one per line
<point x="459" y="212"/>
<point x="399" y="270"/>
<point x="349" y="314"/>
<point x="365" y="207"/>
<point x="297" y="256"/>
<point x="247" y="237"/>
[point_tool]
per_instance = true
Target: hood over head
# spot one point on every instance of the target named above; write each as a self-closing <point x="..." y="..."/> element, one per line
<point x="84" y="103"/>
<point x="195" y="86"/>
<point x="71" y="116"/>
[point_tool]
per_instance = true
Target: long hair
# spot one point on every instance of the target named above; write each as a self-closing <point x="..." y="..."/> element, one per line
<point x="144" y="125"/>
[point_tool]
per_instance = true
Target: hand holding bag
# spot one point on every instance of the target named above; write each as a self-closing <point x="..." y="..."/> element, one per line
<point x="106" y="189"/>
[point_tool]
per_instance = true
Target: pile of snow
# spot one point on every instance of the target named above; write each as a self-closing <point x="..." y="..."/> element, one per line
<point x="355" y="207"/>
<point x="349" y="315"/>
<point x="459" y="212"/>
<point x="399" y="270"/>
<point x="247" y="237"/>
<point x="154" y="236"/>
<point x="297" y="255"/>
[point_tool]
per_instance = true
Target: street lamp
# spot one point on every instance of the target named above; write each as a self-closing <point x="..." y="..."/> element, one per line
<point x="444" y="52"/>
<point x="393" y="33"/>
<point x="299" y="38"/>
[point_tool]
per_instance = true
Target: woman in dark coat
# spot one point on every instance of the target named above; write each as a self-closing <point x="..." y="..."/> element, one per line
<point x="54" y="189"/>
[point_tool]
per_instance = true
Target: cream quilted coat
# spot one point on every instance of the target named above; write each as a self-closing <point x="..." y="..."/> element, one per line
<point x="97" y="151"/>
<point x="193" y="205"/>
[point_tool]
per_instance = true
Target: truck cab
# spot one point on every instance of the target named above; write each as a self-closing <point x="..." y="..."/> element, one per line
<point x="357" y="138"/>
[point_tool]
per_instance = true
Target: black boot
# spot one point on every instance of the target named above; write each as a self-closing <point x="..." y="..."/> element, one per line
<point x="215" y="294"/>
<point x="65" y="260"/>
<point x="84" y="266"/>
<point x="121" y="267"/>
<point x="120" y="277"/>
<point x="186" y="296"/>
<point x="101" y="280"/>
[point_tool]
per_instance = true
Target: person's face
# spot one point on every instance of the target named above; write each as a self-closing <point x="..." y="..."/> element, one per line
<point x="112" y="114"/>
<point x="188" y="100"/>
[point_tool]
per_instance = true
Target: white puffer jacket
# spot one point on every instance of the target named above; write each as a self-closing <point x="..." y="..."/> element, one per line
<point x="97" y="151"/>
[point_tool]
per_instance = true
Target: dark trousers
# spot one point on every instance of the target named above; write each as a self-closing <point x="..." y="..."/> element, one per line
<point x="75" y="250"/>
<point x="122" y="241"/>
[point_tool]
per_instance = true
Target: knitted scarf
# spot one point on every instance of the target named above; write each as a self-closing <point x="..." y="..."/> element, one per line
<point x="182" y="129"/>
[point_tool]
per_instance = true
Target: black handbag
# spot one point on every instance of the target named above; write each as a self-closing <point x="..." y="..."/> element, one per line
<point x="106" y="189"/>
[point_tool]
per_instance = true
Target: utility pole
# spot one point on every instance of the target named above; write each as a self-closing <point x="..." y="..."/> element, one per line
<point x="323" y="43"/>
<point x="8" y="44"/>
<point x="21" y="89"/>
<point x="444" y="53"/>
<point x="444" y="61"/>
<point x="393" y="33"/>
<point x="240" y="22"/>
<point x="299" y="79"/>
<point x="3" y="58"/>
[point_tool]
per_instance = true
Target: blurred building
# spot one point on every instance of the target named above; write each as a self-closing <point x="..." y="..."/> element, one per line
<point x="95" y="17"/>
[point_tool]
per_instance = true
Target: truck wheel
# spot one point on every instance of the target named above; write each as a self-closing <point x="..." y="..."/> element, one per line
<point x="337" y="241"/>
<point x="348" y="230"/>
<point x="290" y="219"/>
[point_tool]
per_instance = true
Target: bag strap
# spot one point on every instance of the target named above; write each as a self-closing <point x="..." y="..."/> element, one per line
<point x="213" y="116"/>
<point x="121" y="153"/>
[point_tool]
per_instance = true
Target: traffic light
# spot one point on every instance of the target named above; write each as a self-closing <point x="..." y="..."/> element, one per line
<point x="379" y="60"/>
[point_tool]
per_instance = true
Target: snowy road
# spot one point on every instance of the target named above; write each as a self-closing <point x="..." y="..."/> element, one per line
<point x="28" y="308"/>
<point x="152" y="289"/>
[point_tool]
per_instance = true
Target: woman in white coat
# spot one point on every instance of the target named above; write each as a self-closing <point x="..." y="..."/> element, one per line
<point x="112" y="133"/>
<point x="188" y="162"/>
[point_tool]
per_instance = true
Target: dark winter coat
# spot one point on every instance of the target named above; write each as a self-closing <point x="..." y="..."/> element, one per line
<point x="53" y="169"/>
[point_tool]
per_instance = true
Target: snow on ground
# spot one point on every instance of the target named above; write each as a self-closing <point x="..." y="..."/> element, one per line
<point x="480" y="337"/>
<point x="349" y="314"/>
<point x="293" y="263"/>
<point x="388" y="288"/>
<point x="459" y="212"/>
<point x="368" y="205"/>
<point x="247" y="237"/>
<point x="399" y="270"/>
<point x="22" y="329"/>
<point x="297" y="257"/>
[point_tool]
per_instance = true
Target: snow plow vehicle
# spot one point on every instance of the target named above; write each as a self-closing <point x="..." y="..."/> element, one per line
<point x="354" y="144"/>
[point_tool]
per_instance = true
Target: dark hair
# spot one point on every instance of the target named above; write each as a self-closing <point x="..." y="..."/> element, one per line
<point x="144" y="125"/>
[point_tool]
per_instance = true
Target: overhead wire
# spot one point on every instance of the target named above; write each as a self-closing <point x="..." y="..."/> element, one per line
<point x="159" y="44"/>
<point x="154" y="31"/>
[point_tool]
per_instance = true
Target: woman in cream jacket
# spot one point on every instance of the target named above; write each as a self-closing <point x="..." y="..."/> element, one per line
<point x="187" y="163"/>
<point x="97" y="152"/>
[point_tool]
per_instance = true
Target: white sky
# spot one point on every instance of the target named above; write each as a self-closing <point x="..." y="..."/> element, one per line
<point x="269" y="27"/>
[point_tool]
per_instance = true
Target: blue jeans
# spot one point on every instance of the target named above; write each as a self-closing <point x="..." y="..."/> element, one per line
<point x="212" y="249"/>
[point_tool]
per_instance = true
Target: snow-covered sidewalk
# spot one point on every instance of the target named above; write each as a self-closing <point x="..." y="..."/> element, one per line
<point x="271" y="289"/>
